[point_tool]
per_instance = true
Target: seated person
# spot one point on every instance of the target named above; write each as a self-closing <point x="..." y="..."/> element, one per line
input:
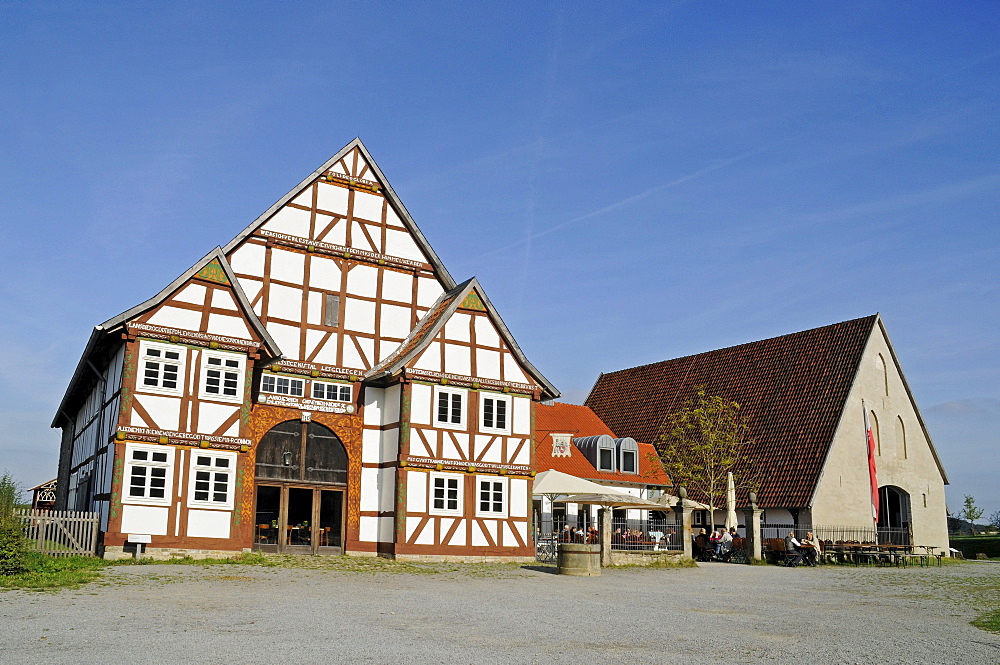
<point x="700" y="545"/>
<point x="792" y="554"/>
<point x="725" y="544"/>
<point x="811" y="549"/>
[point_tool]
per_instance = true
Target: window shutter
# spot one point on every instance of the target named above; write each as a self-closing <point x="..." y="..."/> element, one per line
<point x="331" y="310"/>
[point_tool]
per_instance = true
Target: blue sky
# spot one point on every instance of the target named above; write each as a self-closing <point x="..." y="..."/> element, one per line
<point x="629" y="184"/>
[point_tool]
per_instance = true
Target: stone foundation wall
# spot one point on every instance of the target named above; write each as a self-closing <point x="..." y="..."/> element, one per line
<point x="116" y="553"/>
<point x="644" y="558"/>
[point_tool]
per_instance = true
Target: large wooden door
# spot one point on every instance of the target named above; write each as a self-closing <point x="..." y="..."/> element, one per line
<point x="301" y="478"/>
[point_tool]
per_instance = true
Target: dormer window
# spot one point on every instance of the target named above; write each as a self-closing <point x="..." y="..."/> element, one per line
<point x="628" y="455"/>
<point x="599" y="450"/>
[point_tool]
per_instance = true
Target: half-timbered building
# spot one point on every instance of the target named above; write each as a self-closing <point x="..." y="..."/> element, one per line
<point x="319" y="384"/>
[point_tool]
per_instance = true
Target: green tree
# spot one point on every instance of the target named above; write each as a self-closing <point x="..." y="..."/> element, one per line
<point x="995" y="520"/>
<point x="970" y="512"/>
<point x="12" y="548"/>
<point x="703" y="442"/>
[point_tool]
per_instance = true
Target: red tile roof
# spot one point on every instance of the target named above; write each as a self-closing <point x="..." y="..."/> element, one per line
<point x="581" y="421"/>
<point x="791" y="390"/>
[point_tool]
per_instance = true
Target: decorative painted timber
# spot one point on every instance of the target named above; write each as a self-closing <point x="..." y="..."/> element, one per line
<point x="60" y="532"/>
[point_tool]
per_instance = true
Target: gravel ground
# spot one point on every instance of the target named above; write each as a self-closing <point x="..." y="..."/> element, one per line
<point x="716" y="613"/>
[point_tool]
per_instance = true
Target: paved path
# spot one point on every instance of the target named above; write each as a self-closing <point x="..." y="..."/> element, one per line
<point x="716" y="613"/>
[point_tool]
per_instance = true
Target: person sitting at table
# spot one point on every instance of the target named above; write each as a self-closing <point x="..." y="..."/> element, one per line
<point x="566" y="535"/>
<point x="591" y="534"/>
<point x="793" y="555"/>
<point x="725" y="544"/>
<point x="811" y="547"/>
<point x="700" y="545"/>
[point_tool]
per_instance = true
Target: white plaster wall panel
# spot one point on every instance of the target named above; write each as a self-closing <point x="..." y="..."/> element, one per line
<point x="374" y="400"/>
<point x="457" y="360"/>
<point x="369" y="489"/>
<point x="490" y="454"/>
<point x="428" y="291"/>
<point x="420" y="404"/>
<point x="248" y="259"/>
<point x="368" y="206"/>
<point x="462" y="441"/>
<point x="416" y="492"/>
<point x="488" y="364"/>
<point x="314" y="309"/>
<point x="362" y="280"/>
<point x="512" y="371"/>
<point x="522" y="530"/>
<point x="229" y="326"/>
<point x="286" y="337"/>
<point x="324" y="274"/>
<point x="337" y="168"/>
<point x="391" y="413"/>
<point x="165" y="411"/>
<point x="521" y="422"/>
<point x="395" y="321"/>
<point x="290" y="221"/>
<point x="445" y="523"/>
<point x="314" y="337"/>
<point x="386" y="529"/>
<point x="351" y="356"/>
<point x="391" y="218"/>
<point x="523" y="455"/>
<point x="150" y="520"/>
<point x="478" y="539"/>
<point x="426" y="536"/>
<point x="458" y="539"/>
<point x="337" y="235"/>
<point x="359" y="314"/>
<point x="305" y="198"/>
<point x="332" y="198"/>
<point x="327" y="355"/>
<point x="518" y="497"/>
<point x="368" y="348"/>
<point x="284" y="302"/>
<point x="430" y="358"/>
<point x="135" y="420"/>
<point x="211" y="416"/>
<point x="252" y="289"/>
<point x="172" y="317"/>
<point x="397" y="286"/>
<point x="209" y="523"/>
<point x="360" y="241"/>
<point x="491" y="527"/>
<point x="287" y="266"/>
<point x="508" y="539"/>
<point x="411" y="525"/>
<point x="400" y="243"/>
<point x="371" y="446"/>
<point x="486" y="332"/>
<point x="390" y="445"/>
<point x="223" y="299"/>
<point x="368" y="529"/>
<point x="192" y="293"/>
<point x="425" y="442"/>
<point x="457" y="327"/>
<point x="386" y="490"/>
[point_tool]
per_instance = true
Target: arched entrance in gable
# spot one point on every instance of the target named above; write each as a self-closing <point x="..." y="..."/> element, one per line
<point x="300" y="485"/>
<point x="893" y="515"/>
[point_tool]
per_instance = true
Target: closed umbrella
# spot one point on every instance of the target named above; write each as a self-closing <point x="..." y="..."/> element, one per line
<point x="731" y="519"/>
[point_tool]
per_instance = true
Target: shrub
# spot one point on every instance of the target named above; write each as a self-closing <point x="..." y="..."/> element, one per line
<point x="12" y="549"/>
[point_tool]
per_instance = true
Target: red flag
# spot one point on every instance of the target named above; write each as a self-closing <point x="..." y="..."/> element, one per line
<point x="871" y="465"/>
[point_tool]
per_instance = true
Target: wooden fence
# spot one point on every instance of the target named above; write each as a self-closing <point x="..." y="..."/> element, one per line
<point x="60" y="532"/>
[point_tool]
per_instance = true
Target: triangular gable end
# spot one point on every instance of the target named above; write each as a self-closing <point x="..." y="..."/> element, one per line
<point x="486" y="350"/>
<point x="347" y="207"/>
<point x="205" y="304"/>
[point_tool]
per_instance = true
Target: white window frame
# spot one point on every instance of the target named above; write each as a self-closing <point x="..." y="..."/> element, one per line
<point x="600" y="466"/>
<point x="635" y="462"/>
<point x="495" y="481"/>
<point x="196" y="466"/>
<point x="239" y="370"/>
<point x="459" y="481"/>
<point x="496" y="398"/>
<point x="289" y="379"/>
<point x="149" y="464"/>
<point x="144" y="357"/>
<point x="340" y="388"/>
<point x="463" y="395"/>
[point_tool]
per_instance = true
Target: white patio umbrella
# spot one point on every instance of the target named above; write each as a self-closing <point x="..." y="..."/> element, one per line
<point x="554" y="483"/>
<point x="731" y="519"/>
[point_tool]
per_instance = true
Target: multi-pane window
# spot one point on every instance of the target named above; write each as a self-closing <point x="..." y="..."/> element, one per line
<point x="212" y="479"/>
<point x="282" y="385"/>
<point x="149" y="473"/>
<point x="492" y="499"/>
<point x="162" y="368"/>
<point x="494" y="413"/>
<point x="449" y="408"/>
<point x="446" y="494"/>
<point x="340" y="392"/>
<point x="222" y="376"/>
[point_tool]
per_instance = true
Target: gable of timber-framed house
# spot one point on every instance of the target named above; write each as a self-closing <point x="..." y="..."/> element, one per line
<point x="264" y="399"/>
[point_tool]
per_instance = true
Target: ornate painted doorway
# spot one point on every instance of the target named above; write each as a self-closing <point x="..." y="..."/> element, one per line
<point x="301" y="478"/>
